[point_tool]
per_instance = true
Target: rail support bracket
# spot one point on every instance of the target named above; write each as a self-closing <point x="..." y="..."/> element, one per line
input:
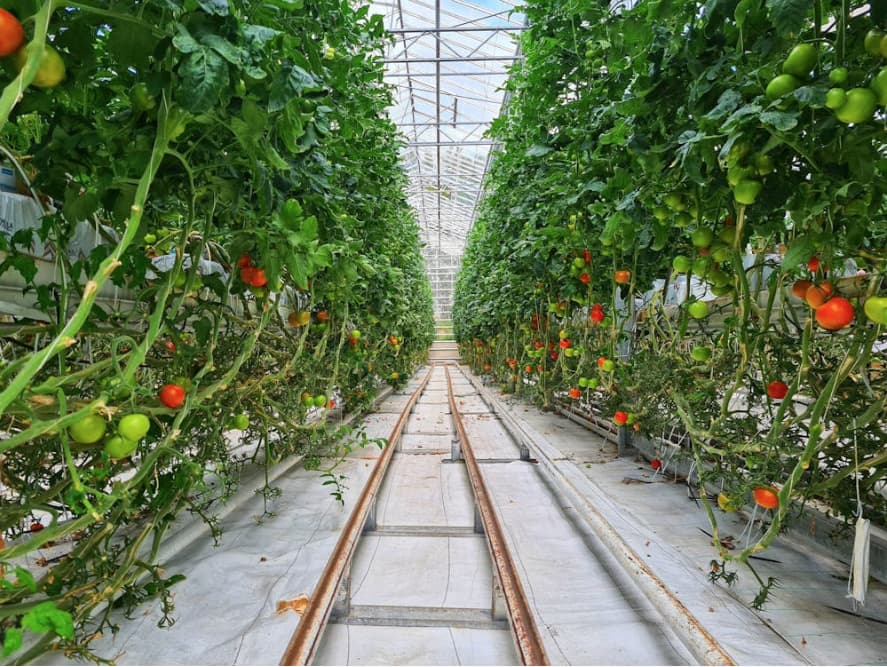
<point x="624" y="446"/>
<point x="499" y="610"/>
<point x="478" y="521"/>
<point x="342" y="605"/>
<point x="455" y="449"/>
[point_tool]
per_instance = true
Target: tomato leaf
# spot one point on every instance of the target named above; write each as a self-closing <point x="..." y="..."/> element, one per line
<point x="798" y="253"/>
<point x="45" y="617"/>
<point x="788" y="15"/>
<point x="217" y="7"/>
<point x="204" y="75"/>
<point x="233" y="54"/>
<point x="780" y="120"/>
<point x="12" y="640"/>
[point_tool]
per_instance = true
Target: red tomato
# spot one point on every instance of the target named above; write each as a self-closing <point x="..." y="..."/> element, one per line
<point x="11" y="33"/>
<point x="601" y="361"/>
<point x="575" y="393"/>
<point x="172" y="395"/>
<point x="528" y="369"/>
<point x="766" y="497"/>
<point x="565" y="343"/>
<point x="36" y="527"/>
<point x="622" y="277"/>
<point x="656" y="464"/>
<point x="597" y="316"/>
<point x="777" y="390"/>
<point x="553" y="356"/>
<point x="488" y="368"/>
<point x="170" y="346"/>
<point x="813" y="264"/>
<point x="586" y="255"/>
<point x="585" y="278"/>
<point x="621" y="418"/>
<point x="323" y="316"/>
<point x="834" y="314"/>
<point x="244" y="261"/>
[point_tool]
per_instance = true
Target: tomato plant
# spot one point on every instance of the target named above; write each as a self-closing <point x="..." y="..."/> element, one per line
<point x="238" y="172"/>
<point x="773" y="125"/>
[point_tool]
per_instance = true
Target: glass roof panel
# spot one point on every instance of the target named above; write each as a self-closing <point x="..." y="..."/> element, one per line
<point x="448" y="64"/>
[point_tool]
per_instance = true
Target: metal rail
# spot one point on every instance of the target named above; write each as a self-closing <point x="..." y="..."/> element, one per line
<point x="526" y="634"/>
<point x="686" y="625"/>
<point x="304" y="642"/>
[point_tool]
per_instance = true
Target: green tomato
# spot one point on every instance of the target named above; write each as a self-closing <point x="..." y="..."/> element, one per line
<point x="578" y="263"/>
<point x="838" y="76"/>
<point x="700" y="353"/>
<point x="307" y="400"/>
<point x="118" y="447"/>
<point x="872" y="42"/>
<point x="608" y="366"/>
<point x="764" y="164"/>
<point x="835" y="98"/>
<point x="141" y="99"/>
<point x="583" y="382"/>
<point x="876" y="309"/>
<point x="134" y="427"/>
<point x="883" y="47"/>
<point x="721" y="290"/>
<point x="720" y="253"/>
<point x="241" y="421"/>
<point x="859" y="107"/>
<point x="320" y="401"/>
<point x="593" y="383"/>
<point x="682" y="220"/>
<point x="701" y="266"/>
<point x="879" y="86"/>
<point x="682" y="264"/>
<point x="801" y="60"/>
<point x="355" y="334"/>
<point x="675" y="201"/>
<point x="150" y="239"/>
<point x="661" y="213"/>
<point x="746" y="192"/>
<point x="698" y="310"/>
<point x="88" y="430"/>
<point x="782" y="85"/>
<point x="719" y="278"/>
<point x="702" y="237"/>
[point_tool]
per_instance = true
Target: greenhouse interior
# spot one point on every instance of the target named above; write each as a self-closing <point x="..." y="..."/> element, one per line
<point x="443" y="332"/>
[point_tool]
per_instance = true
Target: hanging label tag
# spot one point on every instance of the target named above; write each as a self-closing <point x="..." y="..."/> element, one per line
<point x="859" y="565"/>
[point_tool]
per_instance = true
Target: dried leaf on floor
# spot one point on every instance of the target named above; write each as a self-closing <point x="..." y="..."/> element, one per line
<point x="298" y="604"/>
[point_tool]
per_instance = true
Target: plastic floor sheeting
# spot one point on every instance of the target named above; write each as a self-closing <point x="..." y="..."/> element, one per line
<point x="240" y="601"/>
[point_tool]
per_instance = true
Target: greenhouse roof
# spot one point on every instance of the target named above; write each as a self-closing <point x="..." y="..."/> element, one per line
<point x="448" y="64"/>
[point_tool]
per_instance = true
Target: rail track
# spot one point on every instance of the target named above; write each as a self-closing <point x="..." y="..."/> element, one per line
<point x="459" y="552"/>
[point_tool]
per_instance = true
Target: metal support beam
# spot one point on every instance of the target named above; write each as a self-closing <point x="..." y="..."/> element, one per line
<point x="404" y="75"/>
<point x="446" y="59"/>
<point x="420" y="144"/>
<point x="456" y="29"/>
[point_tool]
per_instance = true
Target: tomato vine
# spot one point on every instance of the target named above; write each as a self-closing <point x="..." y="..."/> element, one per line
<point x="183" y="135"/>
<point x="691" y="144"/>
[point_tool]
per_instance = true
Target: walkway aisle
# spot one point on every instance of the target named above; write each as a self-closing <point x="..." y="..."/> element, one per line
<point x="421" y="579"/>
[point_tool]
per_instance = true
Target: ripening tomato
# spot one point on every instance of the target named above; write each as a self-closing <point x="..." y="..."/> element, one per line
<point x="11" y="33"/>
<point x="323" y="316"/>
<point x="817" y="294"/>
<point x="622" y="276"/>
<point x="766" y="497"/>
<point x="834" y="314"/>
<point x="52" y="68"/>
<point x="777" y="390"/>
<point x="528" y="369"/>
<point x="172" y="395"/>
<point x="800" y="287"/>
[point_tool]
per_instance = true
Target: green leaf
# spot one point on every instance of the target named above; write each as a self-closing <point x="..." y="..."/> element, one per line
<point x="25" y="265"/>
<point x="781" y="120"/>
<point x="538" y="150"/>
<point x="132" y="44"/>
<point x="233" y="54"/>
<point x="728" y="102"/>
<point x="184" y="42"/>
<point x="203" y="329"/>
<point x="216" y="7"/>
<point x="799" y="252"/>
<point x="12" y="641"/>
<point x="290" y="82"/>
<point x="45" y="617"/>
<point x="204" y="75"/>
<point x="309" y="229"/>
<point x="788" y="16"/>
